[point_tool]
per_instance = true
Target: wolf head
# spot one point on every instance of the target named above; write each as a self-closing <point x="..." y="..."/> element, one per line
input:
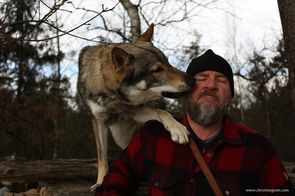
<point x="145" y="72"/>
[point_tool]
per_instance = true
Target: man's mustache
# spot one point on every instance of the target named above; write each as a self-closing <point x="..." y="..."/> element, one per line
<point x="208" y="93"/>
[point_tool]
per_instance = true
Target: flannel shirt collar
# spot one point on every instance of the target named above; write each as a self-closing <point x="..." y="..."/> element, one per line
<point x="230" y="133"/>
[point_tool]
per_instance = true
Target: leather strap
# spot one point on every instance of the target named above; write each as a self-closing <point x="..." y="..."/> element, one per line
<point x="210" y="178"/>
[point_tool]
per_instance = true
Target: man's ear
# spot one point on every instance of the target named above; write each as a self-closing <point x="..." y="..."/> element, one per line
<point x="121" y="58"/>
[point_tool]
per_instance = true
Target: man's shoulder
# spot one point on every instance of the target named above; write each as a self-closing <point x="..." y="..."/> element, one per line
<point x="153" y="124"/>
<point x="252" y="138"/>
<point x="153" y="127"/>
<point x="246" y="129"/>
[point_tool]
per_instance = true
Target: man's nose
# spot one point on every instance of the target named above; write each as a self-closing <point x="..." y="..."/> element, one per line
<point x="211" y="83"/>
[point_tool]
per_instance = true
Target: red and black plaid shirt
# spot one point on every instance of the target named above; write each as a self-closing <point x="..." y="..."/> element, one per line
<point x="242" y="161"/>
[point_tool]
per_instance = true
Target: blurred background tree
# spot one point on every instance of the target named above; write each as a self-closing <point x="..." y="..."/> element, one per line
<point x="34" y="109"/>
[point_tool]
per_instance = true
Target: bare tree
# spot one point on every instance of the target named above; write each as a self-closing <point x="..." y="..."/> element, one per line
<point x="287" y="13"/>
<point x="44" y="18"/>
<point x="133" y="14"/>
<point x="143" y="13"/>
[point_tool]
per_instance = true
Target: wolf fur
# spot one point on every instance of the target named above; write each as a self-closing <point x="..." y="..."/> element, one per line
<point x="115" y="80"/>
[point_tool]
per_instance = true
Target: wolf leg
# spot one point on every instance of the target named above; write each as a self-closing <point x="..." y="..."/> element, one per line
<point x="122" y="130"/>
<point x="178" y="131"/>
<point x="101" y="135"/>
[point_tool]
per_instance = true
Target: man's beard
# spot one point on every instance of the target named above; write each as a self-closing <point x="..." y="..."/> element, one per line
<point x="205" y="114"/>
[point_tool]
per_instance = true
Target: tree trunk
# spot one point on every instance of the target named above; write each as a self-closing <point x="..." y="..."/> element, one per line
<point x="57" y="97"/>
<point x="287" y="13"/>
<point x="20" y="81"/>
<point x="43" y="170"/>
<point x="132" y="11"/>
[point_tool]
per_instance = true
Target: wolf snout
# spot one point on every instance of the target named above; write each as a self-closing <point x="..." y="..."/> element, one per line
<point x="180" y="90"/>
<point x="183" y="87"/>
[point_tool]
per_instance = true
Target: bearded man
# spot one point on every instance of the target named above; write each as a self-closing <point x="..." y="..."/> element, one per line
<point x="242" y="161"/>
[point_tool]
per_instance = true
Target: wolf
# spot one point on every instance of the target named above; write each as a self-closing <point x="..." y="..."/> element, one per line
<point x="115" y="82"/>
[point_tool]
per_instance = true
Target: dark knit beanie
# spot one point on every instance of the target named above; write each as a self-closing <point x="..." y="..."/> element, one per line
<point x="209" y="61"/>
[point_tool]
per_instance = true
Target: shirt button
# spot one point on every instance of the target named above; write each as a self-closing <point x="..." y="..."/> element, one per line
<point x="203" y="150"/>
<point x="226" y="192"/>
<point x="209" y="154"/>
<point x="156" y="183"/>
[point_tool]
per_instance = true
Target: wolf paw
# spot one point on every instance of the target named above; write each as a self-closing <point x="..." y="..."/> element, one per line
<point x="93" y="187"/>
<point x="179" y="132"/>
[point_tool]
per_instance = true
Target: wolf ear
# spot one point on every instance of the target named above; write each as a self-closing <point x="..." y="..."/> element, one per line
<point x="148" y="34"/>
<point x="121" y="58"/>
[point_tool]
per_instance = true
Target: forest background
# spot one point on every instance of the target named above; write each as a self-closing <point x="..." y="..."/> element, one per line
<point x="41" y="115"/>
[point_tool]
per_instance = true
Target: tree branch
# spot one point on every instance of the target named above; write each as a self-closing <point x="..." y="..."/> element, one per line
<point x="45" y="21"/>
<point x="132" y="11"/>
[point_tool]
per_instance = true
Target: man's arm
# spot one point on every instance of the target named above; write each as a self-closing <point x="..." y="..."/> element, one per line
<point x="275" y="178"/>
<point x="125" y="174"/>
